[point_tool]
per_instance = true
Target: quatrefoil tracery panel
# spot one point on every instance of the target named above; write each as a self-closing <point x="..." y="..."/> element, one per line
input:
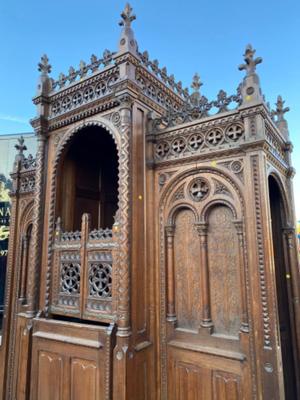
<point x="199" y="189"/>
<point x="70" y="278"/>
<point x="234" y="132"/>
<point x="100" y="279"/>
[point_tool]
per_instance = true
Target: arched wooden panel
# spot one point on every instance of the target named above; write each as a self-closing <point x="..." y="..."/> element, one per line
<point x="224" y="271"/>
<point x="187" y="271"/>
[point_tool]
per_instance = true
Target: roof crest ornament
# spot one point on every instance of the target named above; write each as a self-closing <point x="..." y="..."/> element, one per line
<point x="280" y="109"/>
<point x="127" y="42"/>
<point x="250" y="61"/>
<point x="250" y="88"/>
<point x="127" y="16"/>
<point x="20" y="146"/>
<point x="43" y="66"/>
<point x="280" y="121"/>
<point x="20" y="157"/>
<point x="196" y="84"/>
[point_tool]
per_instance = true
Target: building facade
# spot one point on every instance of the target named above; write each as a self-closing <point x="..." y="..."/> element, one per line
<point x="152" y="248"/>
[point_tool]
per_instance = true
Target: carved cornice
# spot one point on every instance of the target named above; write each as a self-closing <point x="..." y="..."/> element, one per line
<point x="39" y="124"/>
<point x="203" y="124"/>
<point x="83" y="112"/>
<point x="126" y="57"/>
<point x="191" y="159"/>
<point x="175" y="101"/>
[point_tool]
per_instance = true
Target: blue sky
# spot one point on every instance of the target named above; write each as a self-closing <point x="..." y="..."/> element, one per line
<point x="185" y="36"/>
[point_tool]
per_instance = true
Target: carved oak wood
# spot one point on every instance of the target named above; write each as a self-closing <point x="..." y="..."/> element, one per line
<point x="182" y="295"/>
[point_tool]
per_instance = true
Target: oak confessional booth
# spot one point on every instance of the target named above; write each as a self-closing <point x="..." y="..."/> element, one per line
<point x="152" y="250"/>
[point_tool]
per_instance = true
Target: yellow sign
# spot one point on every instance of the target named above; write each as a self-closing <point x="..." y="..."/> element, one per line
<point x="4" y="193"/>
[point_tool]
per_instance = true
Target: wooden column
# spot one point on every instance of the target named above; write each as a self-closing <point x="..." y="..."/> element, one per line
<point x="171" y="313"/>
<point x="24" y="265"/>
<point x="123" y="353"/>
<point x="124" y="243"/>
<point x="206" y="321"/>
<point x="244" y="323"/>
<point x="291" y="246"/>
<point x="85" y="229"/>
<point x="37" y="230"/>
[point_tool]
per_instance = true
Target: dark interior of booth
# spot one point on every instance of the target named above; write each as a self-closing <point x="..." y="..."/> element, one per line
<point x="88" y="180"/>
<point x="283" y="286"/>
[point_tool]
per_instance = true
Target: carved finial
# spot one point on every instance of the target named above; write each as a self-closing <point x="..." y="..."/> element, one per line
<point x="196" y="84"/>
<point x="19" y="158"/>
<point x="43" y="66"/>
<point x="250" y="61"/>
<point x="127" y="16"/>
<point x="127" y="41"/>
<point x="280" y="109"/>
<point x="20" y="146"/>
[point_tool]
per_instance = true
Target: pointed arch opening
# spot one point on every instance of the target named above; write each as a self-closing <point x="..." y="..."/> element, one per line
<point x="88" y="180"/>
<point x="283" y="286"/>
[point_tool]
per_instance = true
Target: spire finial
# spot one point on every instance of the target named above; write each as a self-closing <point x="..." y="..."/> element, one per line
<point x="280" y="109"/>
<point x="196" y="84"/>
<point x="127" y="16"/>
<point x="19" y="158"/>
<point x="250" y="61"/>
<point x="20" y="146"/>
<point x="127" y="41"/>
<point x="43" y="66"/>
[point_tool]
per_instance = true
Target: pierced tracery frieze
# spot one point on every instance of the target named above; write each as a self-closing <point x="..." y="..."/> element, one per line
<point x="185" y="144"/>
<point x="156" y="91"/>
<point x="27" y="184"/>
<point x="84" y="93"/>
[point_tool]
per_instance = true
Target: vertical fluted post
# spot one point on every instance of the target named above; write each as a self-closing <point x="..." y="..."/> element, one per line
<point x="244" y="322"/>
<point x="171" y="314"/>
<point x="206" y="321"/>
<point x="35" y="259"/>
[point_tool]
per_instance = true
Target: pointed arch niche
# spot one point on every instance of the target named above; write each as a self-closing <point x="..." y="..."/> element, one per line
<point x="86" y="192"/>
<point x="205" y="257"/>
<point x="87" y="180"/>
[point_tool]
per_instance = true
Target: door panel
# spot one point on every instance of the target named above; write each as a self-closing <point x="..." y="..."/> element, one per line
<point x="187" y="271"/>
<point x="223" y="260"/>
<point x="70" y="361"/>
<point x="50" y="376"/>
<point x="83" y="379"/>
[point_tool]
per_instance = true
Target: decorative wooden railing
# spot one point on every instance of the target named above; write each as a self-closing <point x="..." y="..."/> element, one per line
<point x="82" y="278"/>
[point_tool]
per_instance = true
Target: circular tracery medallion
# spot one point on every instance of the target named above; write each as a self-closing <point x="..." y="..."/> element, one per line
<point x="199" y="189"/>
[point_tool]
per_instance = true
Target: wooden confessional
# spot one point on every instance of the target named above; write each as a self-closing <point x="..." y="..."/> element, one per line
<point x="152" y="249"/>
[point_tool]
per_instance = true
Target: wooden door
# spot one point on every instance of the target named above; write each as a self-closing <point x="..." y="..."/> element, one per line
<point x="70" y="361"/>
<point x="204" y="353"/>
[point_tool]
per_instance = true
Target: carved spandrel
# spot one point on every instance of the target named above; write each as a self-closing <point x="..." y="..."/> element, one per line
<point x="234" y="166"/>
